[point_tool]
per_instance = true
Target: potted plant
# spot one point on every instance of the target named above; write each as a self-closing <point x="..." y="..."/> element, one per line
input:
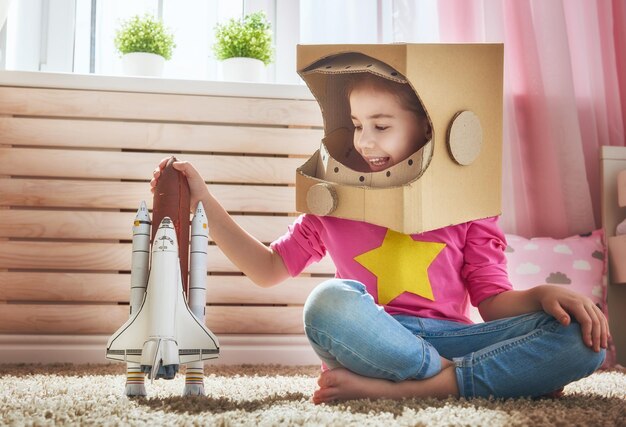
<point x="245" y="47"/>
<point x="145" y="44"/>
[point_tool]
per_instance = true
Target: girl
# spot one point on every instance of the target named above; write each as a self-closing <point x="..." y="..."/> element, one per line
<point x="392" y="323"/>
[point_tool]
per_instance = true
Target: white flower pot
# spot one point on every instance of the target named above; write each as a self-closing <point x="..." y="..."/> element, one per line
<point x="143" y="64"/>
<point x="243" y="70"/>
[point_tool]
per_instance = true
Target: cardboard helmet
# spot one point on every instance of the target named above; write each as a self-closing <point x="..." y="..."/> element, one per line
<point x="453" y="178"/>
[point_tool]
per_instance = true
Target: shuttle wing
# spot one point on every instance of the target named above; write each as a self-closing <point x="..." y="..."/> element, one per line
<point x="126" y="343"/>
<point x="195" y="341"/>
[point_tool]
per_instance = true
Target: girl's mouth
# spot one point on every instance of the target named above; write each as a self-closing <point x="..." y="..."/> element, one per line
<point x="377" y="162"/>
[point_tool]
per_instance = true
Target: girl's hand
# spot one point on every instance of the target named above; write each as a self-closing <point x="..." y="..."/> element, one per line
<point x="560" y="303"/>
<point x="197" y="187"/>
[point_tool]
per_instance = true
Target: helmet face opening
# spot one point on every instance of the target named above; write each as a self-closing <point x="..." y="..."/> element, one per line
<point x="335" y="77"/>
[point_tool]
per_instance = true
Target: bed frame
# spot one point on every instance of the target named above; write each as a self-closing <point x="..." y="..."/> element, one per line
<point x="613" y="161"/>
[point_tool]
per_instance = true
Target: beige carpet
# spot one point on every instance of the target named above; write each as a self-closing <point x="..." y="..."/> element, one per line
<point x="274" y="395"/>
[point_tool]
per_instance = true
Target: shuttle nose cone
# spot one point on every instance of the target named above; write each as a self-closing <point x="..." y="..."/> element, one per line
<point x="142" y="212"/>
<point x="142" y="219"/>
<point x="199" y="217"/>
<point x="165" y="238"/>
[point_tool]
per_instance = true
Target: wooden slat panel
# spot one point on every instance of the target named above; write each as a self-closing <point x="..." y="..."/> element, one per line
<point x="160" y="107"/>
<point x="65" y="256"/>
<point x="37" y="162"/>
<point x="113" y="288"/>
<point x="106" y="319"/>
<point x="158" y="136"/>
<point x="254" y="320"/>
<point x="53" y="224"/>
<point x="241" y="290"/>
<point x="79" y="287"/>
<point x="96" y="122"/>
<point x="103" y="257"/>
<point x="127" y="195"/>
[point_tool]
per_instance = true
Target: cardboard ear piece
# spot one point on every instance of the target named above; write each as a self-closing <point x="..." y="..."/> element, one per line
<point x="454" y="178"/>
<point x="465" y="138"/>
<point x="321" y="199"/>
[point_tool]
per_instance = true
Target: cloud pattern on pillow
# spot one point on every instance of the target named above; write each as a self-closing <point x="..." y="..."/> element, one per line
<point x="576" y="262"/>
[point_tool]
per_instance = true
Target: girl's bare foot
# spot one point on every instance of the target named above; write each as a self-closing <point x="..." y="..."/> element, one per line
<point x="341" y="384"/>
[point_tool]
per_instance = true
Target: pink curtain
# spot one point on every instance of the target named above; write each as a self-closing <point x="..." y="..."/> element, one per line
<point x="565" y="96"/>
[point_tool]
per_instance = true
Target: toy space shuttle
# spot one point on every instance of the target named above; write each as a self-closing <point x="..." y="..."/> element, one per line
<point x="166" y="325"/>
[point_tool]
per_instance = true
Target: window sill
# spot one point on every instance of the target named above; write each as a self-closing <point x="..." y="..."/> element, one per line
<point x="152" y="85"/>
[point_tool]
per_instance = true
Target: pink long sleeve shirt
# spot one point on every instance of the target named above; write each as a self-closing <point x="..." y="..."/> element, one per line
<point x="435" y="274"/>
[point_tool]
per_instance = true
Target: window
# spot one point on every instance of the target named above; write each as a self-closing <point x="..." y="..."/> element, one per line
<point x="77" y="35"/>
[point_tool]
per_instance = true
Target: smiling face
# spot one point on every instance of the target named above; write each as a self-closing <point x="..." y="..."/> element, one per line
<point x="385" y="131"/>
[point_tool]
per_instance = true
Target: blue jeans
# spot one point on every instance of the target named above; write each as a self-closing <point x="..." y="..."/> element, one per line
<point x="527" y="355"/>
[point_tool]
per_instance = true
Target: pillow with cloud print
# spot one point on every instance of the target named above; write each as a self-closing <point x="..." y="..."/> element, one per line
<point x="576" y="263"/>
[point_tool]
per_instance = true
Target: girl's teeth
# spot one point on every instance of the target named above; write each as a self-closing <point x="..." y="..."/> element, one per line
<point x="378" y="161"/>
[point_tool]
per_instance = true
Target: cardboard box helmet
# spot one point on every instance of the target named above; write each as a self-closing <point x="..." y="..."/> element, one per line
<point x="452" y="178"/>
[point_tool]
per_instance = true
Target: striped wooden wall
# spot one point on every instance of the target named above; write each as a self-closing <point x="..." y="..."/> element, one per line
<point x="74" y="166"/>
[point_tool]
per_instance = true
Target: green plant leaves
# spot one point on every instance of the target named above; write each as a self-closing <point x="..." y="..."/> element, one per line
<point x="250" y="37"/>
<point x="144" y="34"/>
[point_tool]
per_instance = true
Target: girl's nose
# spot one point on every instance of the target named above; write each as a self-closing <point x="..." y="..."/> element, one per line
<point x="365" y="140"/>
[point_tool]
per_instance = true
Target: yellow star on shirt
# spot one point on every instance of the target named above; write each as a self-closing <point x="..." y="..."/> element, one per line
<point x="401" y="265"/>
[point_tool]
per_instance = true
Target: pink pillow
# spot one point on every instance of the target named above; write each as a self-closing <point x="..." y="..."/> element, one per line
<point x="577" y="263"/>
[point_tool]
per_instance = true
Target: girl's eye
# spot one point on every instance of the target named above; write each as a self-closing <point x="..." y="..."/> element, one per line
<point x="358" y="127"/>
<point x="382" y="127"/>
